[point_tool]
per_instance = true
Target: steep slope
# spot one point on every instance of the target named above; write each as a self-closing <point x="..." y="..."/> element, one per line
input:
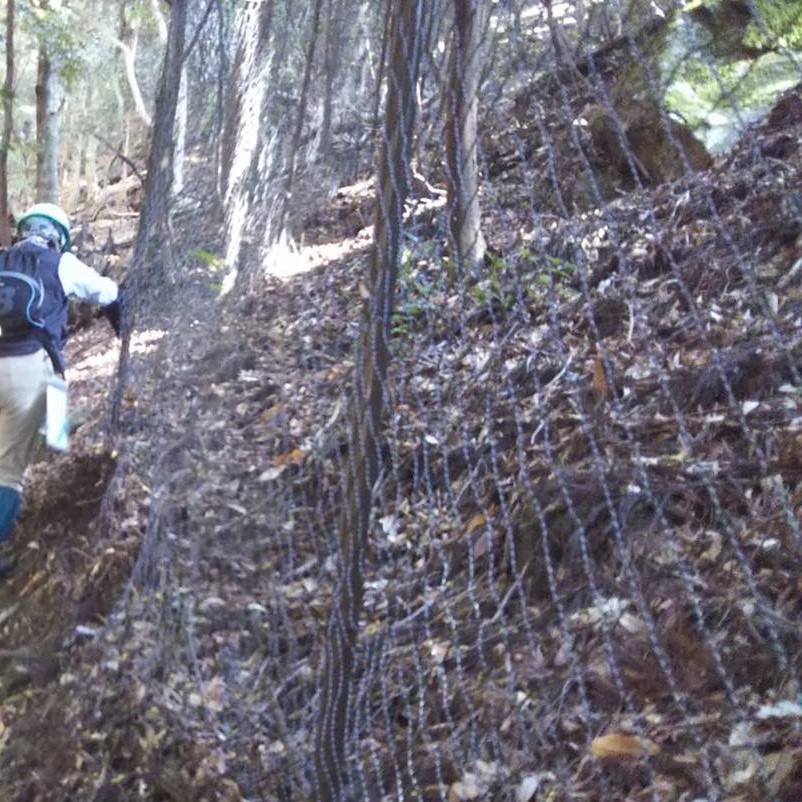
<point x="583" y="572"/>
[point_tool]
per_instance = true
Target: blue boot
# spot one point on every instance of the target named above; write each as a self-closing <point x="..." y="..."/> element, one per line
<point x="9" y="507"/>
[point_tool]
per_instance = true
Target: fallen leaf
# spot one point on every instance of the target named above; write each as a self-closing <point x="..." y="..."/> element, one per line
<point x="475" y="522"/>
<point x="34" y="582"/>
<point x="294" y="457"/>
<point x="274" y="410"/>
<point x="466" y="789"/>
<point x="617" y="745"/>
<point x="529" y="786"/>
<point x="749" y="406"/>
<point x="781" y="767"/>
<point x="271" y="473"/>
<point x="783" y="709"/>
<point x="600" y="386"/>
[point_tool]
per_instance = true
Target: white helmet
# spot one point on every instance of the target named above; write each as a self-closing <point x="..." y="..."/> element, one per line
<point x="43" y="217"/>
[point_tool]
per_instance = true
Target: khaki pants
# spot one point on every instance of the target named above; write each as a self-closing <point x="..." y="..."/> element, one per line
<point x="22" y="410"/>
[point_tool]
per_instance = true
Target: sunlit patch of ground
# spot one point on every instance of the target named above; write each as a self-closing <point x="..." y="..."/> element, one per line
<point x="286" y="260"/>
<point x="103" y="363"/>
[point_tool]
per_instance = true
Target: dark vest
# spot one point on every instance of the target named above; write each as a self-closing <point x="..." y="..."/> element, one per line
<point x="54" y="312"/>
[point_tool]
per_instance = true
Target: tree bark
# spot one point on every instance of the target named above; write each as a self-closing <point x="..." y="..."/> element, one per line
<point x="330" y="64"/>
<point x="180" y="133"/>
<point x="430" y="123"/>
<point x="221" y="98"/>
<point x="368" y="404"/>
<point x="90" y="169"/>
<point x="127" y="43"/>
<point x="47" y="130"/>
<point x="154" y="221"/>
<point x="8" y="127"/>
<point x="467" y="241"/>
<point x="381" y="68"/>
<point x="161" y="22"/>
<point x="289" y="184"/>
<point x="240" y="140"/>
<point x="78" y="154"/>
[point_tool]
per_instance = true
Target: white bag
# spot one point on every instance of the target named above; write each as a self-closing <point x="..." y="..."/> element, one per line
<point x="57" y="424"/>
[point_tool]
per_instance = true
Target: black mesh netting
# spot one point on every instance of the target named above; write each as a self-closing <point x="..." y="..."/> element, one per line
<point x="433" y="515"/>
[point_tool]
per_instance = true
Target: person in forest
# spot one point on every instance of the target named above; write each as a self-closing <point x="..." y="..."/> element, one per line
<point x="41" y="271"/>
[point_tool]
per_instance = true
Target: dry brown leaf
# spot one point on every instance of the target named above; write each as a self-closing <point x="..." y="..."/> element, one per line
<point x="600" y="386"/>
<point x="338" y="371"/>
<point x="294" y="457"/>
<point x="33" y="583"/>
<point x="274" y="410"/>
<point x="475" y="522"/>
<point x="464" y="790"/>
<point x="479" y="519"/>
<point x="782" y="766"/>
<point x="618" y="746"/>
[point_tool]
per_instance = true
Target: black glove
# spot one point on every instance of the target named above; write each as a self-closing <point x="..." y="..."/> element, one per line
<point x="115" y="310"/>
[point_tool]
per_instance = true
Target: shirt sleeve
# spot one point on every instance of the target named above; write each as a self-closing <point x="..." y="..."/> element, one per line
<point x="82" y="282"/>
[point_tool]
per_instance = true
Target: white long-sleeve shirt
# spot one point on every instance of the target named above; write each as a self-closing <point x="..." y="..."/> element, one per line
<point x="81" y="281"/>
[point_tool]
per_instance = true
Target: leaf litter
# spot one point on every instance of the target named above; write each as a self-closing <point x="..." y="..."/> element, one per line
<point x="593" y="568"/>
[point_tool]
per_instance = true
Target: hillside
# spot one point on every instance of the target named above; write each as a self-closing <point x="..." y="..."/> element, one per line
<point x="582" y="574"/>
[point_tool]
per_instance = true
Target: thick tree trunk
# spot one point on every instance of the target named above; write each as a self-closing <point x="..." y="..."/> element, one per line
<point x="8" y="126"/>
<point x="295" y="144"/>
<point x="330" y="63"/>
<point x="153" y="234"/>
<point x="47" y="131"/>
<point x="430" y="123"/>
<point x="368" y="405"/>
<point x="467" y="242"/>
<point x="381" y="69"/>
<point x="248" y="82"/>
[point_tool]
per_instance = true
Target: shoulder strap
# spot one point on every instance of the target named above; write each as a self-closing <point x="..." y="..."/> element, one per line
<point x="52" y="352"/>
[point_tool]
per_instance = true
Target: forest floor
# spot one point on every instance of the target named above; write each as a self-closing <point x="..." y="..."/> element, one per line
<point x="161" y="638"/>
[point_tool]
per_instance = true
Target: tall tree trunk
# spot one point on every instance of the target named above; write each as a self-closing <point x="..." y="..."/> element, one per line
<point x="462" y="179"/>
<point x="75" y="126"/>
<point x="368" y="404"/>
<point x="153" y="234"/>
<point x="221" y="98"/>
<point x="381" y="68"/>
<point x="47" y="132"/>
<point x="295" y="144"/>
<point x="8" y="126"/>
<point x="90" y="169"/>
<point x="330" y="63"/>
<point x="248" y="83"/>
<point x="122" y="117"/>
<point x="180" y="133"/>
<point x="161" y="22"/>
<point x="127" y="44"/>
<point x="429" y="121"/>
<point x="126" y="147"/>
<point x="78" y="152"/>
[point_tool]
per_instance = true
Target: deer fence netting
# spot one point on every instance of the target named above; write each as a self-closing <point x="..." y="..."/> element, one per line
<point x="515" y="508"/>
